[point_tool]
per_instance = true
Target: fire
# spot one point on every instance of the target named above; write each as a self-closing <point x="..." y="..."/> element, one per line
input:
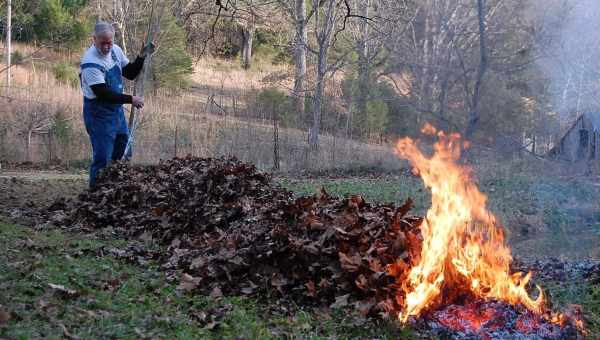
<point x="463" y="246"/>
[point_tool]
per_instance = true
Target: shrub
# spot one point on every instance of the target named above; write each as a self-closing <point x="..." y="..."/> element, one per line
<point x="377" y="116"/>
<point x="274" y="102"/>
<point x="65" y="73"/>
<point x="16" y="58"/>
<point x="171" y="64"/>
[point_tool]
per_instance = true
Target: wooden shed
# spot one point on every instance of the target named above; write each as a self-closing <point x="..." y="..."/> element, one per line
<point x="581" y="141"/>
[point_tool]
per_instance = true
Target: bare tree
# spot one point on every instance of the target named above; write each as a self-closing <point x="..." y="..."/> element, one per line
<point x="248" y="15"/>
<point x="127" y="16"/>
<point x="300" y="43"/>
<point x="8" y="44"/>
<point x="300" y="16"/>
<point x="120" y="13"/>
<point x="483" y="65"/>
<point x="324" y="28"/>
<point x="367" y="34"/>
<point x="446" y="58"/>
<point x="34" y="119"/>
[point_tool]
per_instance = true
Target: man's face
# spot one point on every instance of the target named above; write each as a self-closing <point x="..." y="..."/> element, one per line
<point x="104" y="42"/>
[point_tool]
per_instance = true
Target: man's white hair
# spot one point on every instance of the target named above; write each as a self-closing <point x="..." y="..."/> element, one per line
<point x="103" y="28"/>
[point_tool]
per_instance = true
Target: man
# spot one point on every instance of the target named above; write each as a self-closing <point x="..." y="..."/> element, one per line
<point x="102" y="67"/>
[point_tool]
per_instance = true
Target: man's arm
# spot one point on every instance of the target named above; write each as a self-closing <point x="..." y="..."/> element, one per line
<point x="105" y="94"/>
<point x="131" y="70"/>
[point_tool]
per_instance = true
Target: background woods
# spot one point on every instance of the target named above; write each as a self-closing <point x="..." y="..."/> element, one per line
<point x="305" y="82"/>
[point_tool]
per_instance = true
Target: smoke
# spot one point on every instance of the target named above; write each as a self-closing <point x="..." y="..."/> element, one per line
<point x="571" y="50"/>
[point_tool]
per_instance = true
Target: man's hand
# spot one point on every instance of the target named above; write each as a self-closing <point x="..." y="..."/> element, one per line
<point x="147" y="50"/>
<point x="137" y="102"/>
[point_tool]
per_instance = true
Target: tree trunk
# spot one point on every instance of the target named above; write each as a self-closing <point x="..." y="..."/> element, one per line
<point x="424" y="86"/>
<point x="247" y="39"/>
<point x="119" y="17"/>
<point x="483" y="65"/>
<point x="313" y="134"/>
<point x="50" y="148"/>
<point x="324" y="39"/>
<point x="176" y="140"/>
<point x="364" y="67"/>
<point x="275" y="141"/>
<point x="28" y="145"/>
<point x="300" y="60"/>
<point x="8" y="44"/>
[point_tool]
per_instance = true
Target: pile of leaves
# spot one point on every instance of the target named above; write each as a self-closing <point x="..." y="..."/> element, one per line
<point x="227" y="229"/>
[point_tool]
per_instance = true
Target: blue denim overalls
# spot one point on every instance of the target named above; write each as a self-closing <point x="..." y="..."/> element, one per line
<point x="105" y="123"/>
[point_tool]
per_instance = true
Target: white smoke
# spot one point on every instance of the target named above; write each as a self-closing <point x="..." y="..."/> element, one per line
<point x="572" y="54"/>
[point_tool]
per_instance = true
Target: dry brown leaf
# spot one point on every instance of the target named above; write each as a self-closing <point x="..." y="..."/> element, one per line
<point x="397" y="269"/>
<point x="365" y="306"/>
<point x="340" y="301"/>
<point x="216" y="293"/>
<point x="226" y="223"/>
<point x="313" y="222"/>
<point x="63" y="292"/>
<point x="4" y="315"/>
<point x="311" y="289"/>
<point x="188" y="282"/>
<point x="361" y="282"/>
<point x="324" y="284"/>
<point x="311" y="249"/>
<point x="404" y="209"/>
<point x="350" y="263"/>
<point x="198" y="262"/>
<point x="66" y="332"/>
<point x="375" y="264"/>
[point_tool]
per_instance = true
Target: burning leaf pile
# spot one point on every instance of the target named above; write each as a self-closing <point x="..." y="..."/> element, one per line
<point x="464" y="252"/>
<point x="226" y="229"/>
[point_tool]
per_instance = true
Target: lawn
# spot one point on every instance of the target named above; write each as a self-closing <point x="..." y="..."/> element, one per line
<point x="543" y="216"/>
<point x="57" y="284"/>
<point x="62" y="284"/>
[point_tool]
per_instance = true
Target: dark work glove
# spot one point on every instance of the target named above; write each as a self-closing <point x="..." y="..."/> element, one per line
<point x="147" y="50"/>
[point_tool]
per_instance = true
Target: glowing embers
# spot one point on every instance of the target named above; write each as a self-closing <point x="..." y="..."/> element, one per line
<point x="496" y="320"/>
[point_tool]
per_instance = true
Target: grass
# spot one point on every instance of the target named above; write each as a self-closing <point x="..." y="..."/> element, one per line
<point x="544" y="216"/>
<point x="109" y="297"/>
<point x="119" y="298"/>
<point x="394" y="189"/>
<point x="570" y="226"/>
<point x="585" y="295"/>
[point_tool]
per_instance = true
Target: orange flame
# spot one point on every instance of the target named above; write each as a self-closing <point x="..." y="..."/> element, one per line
<point x="463" y="249"/>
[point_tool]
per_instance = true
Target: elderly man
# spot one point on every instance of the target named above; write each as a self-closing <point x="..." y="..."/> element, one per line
<point x="102" y="67"/>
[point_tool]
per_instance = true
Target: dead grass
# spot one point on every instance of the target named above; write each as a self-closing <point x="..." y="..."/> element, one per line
<point x="228" y="75"/>
<point x="211" y="120"/>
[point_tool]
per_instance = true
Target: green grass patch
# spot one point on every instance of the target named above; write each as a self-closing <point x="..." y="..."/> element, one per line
<point x="556" y="216"/>
<point x="391" y="189"/>
<point x="108" y="297"/>
<point x="584" y="294"/>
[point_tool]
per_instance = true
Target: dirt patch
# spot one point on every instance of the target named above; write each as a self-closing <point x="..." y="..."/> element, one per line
<point x="25" y="195"/>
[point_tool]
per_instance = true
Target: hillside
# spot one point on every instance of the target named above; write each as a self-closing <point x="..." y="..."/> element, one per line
<point x="216" y="115"/>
